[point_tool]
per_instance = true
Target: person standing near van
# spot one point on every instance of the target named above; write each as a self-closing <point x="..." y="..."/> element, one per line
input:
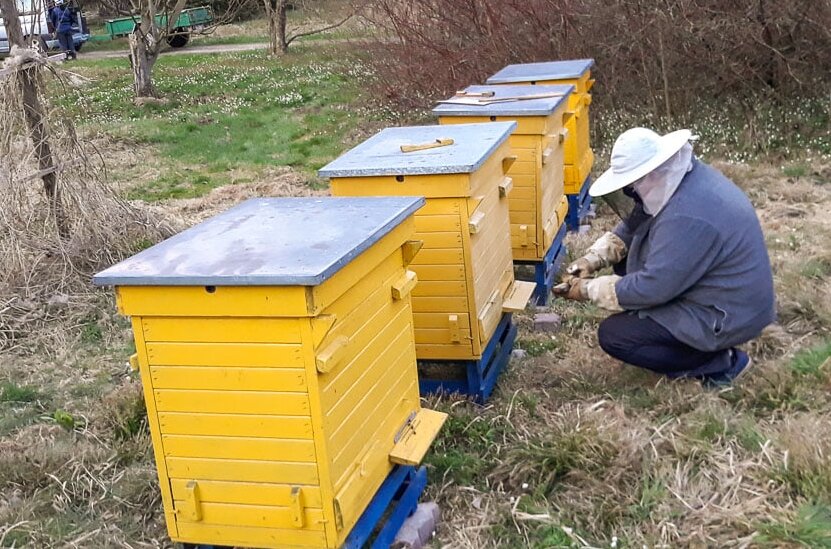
<point x="62" y="18"/>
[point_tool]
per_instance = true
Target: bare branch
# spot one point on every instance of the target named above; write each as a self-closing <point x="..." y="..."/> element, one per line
<point x="340" y="23"/>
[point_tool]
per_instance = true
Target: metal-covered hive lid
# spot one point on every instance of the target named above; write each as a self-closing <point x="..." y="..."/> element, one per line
<point x="266" y="242"/>
<point x="381" y="154"/>
<point x="558" y="95"/>
<point x="547" y="70"/>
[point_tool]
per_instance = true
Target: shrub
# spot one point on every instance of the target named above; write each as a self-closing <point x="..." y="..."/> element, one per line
<point x="660" y="55"/>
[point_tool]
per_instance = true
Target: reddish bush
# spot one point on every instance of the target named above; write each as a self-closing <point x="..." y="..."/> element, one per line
<point x="658" y="54"/>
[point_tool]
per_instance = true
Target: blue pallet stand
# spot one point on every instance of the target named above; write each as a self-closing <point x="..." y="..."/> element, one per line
<point x="395" y="500"/>
<point x="545" y="271"/>
<point x="578" y="206"/>
<point x="481" y="375"/>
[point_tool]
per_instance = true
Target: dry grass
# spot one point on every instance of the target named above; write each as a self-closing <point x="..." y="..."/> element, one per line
<point x="50" y="247"/>
<point x="578" y="450"/>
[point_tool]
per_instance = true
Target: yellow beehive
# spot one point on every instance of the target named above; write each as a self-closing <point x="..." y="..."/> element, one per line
<point x="538" y="204"/>
<point x="275" y="345"/>
<point x="465" y="270"/>
<point x="579" y="157"/>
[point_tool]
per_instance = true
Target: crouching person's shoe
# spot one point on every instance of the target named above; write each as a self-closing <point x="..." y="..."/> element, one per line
<point x="741" y="362"/>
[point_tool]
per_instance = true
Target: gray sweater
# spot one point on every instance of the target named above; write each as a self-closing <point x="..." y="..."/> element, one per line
<point x="700" y="268"/>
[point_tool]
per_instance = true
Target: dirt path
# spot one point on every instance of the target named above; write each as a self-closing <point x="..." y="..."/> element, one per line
<point x="187" y="50"/>
<point x="208" y="49"/>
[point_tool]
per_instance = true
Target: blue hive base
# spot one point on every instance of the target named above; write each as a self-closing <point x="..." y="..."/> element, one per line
<point x="480" y="375"/>
<point x="394" y="502"/>
<point x="545" y="271"/>
<point x="578" y="206"/>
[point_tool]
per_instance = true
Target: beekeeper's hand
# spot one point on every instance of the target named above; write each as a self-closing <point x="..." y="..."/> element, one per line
<point x="600" y="290"/>
<point x="607" y="250"/>
<point x="573" y="288"/>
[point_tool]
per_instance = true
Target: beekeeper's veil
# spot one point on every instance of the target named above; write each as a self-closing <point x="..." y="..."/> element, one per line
<point x="653" y="165"/>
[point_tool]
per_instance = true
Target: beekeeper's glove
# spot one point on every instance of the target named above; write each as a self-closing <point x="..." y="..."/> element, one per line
<point x="573" y="288"/>
<point x="600" y="291"/>
<point x="607" y="250"/>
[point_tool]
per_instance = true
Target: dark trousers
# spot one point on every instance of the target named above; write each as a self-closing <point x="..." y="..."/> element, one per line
<point x="645" y="343"/>
<point x="67" y="43"/>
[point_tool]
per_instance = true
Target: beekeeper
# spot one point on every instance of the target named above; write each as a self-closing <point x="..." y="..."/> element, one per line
<point x="692" y="274"/>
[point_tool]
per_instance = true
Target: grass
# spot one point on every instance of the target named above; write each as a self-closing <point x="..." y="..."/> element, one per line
<point x="810" y="527"/>
<point x="462" y="443"/>
<point x="224" y="113"/>
<point x="722" y="128"/>
<point x="815" y="362"/>
<point x="13" y="393"/>
<point x="538" y="346"/>
<point x="798" y="169"/>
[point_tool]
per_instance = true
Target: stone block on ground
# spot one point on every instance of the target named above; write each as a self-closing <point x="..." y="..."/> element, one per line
<point x="547" y="322"/>
<point x="419" y="528"/>
<point x="518" y="354"/>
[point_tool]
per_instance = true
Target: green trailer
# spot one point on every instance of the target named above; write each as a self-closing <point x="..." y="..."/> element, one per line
<point x="189" y="21"/>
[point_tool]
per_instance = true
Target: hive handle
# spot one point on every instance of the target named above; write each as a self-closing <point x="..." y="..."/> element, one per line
<point x="507" y="162"/>
<point x="134" y="362"/>
<point x="329" y="357"/>
<point x="474" y="224"/>
<point x="455" y="333"/>
<point x="296" y="504"/>
<point x="404" y="285"/>
<point x="505" y="187"/>
<point x="191" y="508"/>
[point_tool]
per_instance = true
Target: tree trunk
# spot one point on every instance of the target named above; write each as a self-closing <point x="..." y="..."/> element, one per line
<point x="273" y="38"/>
<point x="767" y="38"/>
<point x="142" y="63"/>
<point x="34" y="113"/>
<point x="281" y="15"/>
<point x="664" y="77"/>
<point x="279" y="40"/>
<point x="144" y="51"/>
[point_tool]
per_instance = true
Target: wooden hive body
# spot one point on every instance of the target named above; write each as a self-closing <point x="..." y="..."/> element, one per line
<point x="537" y="202"/>
<point x="465" y="268"/>
<point x="579" y="157"/>
<point x="275" y="401"/>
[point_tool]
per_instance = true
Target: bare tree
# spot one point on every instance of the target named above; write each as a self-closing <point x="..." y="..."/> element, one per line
<point x="34" y="113"/>
<point x="279" y="38"/>
<point x="156" y="25"/>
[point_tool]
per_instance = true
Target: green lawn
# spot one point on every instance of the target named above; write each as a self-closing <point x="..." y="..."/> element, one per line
<point x="223" y="112"/>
